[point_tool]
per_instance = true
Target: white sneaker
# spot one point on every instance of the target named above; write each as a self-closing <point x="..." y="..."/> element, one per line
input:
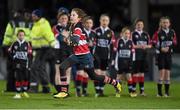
<point x="166" y="95"/>
<point x="158" y="95"/>
<point x="17" y="96"/>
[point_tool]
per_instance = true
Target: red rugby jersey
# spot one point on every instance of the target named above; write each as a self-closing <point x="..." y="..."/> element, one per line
<point x="82" y="47"/>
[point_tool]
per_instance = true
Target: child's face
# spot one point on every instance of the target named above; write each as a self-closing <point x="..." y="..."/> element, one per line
<point x="74" y="17"/>
<point x="63" y="19"/>
<point x="34" y="17"/>
<point x="126" y="34"/>
<point x="21" y="36"/>
<point x="139" y="26"/>
<point x="104" y="21"/>
<point x="88" y="24"/>
<point x="165" y="23"/>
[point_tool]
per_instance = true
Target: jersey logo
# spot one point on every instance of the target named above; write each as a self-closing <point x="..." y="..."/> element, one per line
<point x="25" y="48"/>
<point x="121" y="45"/>
<point x="145" y="37"/>
<point x="108" y="35"/>
<point x="98" y="33"/>
<point x="16" y="47"/>
<point x="136" y="36"/>
<point x="162" y="37"/>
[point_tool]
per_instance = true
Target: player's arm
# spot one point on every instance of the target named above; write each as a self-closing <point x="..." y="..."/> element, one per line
<point x="11" y="50"/>
<point x="149" y="45"/>
<point x="136" y="46"/>
<point x="74" y="38"/>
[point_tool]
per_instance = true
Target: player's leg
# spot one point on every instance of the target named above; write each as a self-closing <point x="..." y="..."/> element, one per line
<point x="160" y="82"/>
<point x="79" y="78"/>
<point x="18" y="83"/>
<point x="68" y="73"/>
<point x="129" y="82"/>
<point x="25" y="82"/>
<point x="57" y="78"/>
<point x="97" y="63"/>
<point x="143" y="69"/>
<point x="63" y="77"/>
<point x="104" y="66"/>
<point x="167" y="82"/>
<point x="84" y="84"/>
<point x="161" y="66"/>
<point x="167" y="74"/>
<point x="141" y="84"/>
<point x="135" y="76"/>
<point x="135" y="80"/>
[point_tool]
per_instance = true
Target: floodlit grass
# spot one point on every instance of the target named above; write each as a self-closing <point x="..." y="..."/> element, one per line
<point x="46" y="101"/>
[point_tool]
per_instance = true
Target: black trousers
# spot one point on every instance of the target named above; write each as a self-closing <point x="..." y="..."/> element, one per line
<point x="10" y="85"/>
<point x="38" y="68"/>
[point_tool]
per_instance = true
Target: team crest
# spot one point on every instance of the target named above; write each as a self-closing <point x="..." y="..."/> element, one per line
<point x="145" y="37"/>
<point x="121" y="45"/>
<point x="136" y="36"/>
<point x="98" y="33"/>
<point x="25" y="48"/>
<point x="108" y="35"/>
<point x="16" y="47"/>
<point x="162" y="37"/>
<point x="129" y="46"/>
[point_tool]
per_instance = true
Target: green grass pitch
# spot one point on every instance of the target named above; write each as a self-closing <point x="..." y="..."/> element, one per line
<point x="46" y="101"/>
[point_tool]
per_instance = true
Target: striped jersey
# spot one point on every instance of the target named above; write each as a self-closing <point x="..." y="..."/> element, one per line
<point x="82" y="47"/>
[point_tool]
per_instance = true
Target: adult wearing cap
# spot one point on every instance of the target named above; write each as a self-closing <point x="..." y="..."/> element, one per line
<point x="63" y="10"/>
<point x="42" y="39"/>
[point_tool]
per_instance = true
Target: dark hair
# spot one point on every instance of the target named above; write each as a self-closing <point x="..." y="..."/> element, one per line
<point x="105" y="15"/>
<point x="81" y="14"/>
<point x="138" y="20"/>
<point x="20" y="31"/>
<point x="87" y="18"/>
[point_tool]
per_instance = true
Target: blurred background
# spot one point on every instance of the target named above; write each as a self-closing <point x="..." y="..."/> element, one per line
<point x="122" y="13"/>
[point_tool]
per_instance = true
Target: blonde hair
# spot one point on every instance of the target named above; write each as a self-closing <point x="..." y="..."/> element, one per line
<point x="124" y="29"/>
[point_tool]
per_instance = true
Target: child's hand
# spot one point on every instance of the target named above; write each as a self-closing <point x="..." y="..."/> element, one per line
<point x="65" y="33"/>
<point x="165" y="49"/>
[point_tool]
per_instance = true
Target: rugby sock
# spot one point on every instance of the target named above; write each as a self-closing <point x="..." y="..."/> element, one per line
<point x="135" y="79"/>
<point x="67" y="87"/>
<point x="18" y="86"/>
<point x="25" y="85"/>
<point x="58" y="88"/>
<point x="159" y="87"/>
<point x="78" y="83"/>
<point x="167" y="85"/>
<point x="101" y="89"/>
<point x="64" y="85"/>
<point x="141" y="84"/>
<point x="84" y="85"/>
<point x="96" y="86"/>
<point x="130" y="86"/>
<point x="111" y="81"/>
